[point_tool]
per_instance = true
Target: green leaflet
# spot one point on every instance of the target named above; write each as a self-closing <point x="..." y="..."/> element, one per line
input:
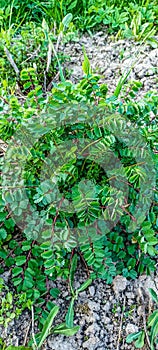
<point x="138" y="339"/>
<point x="84" y="286"/>
<point x="153" y="295"/>
<point x="66" y="20"/>
<point x="139" y="343"/>
<point x="62" y="329"/>
<point x="47" y="325"/>
<point x="131" y="337"/>
<point x="72" y="272"/>
<point x="70" y="315"/>
<point x="86" y="63"/>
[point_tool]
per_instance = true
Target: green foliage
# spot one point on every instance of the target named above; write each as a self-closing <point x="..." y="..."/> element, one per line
<point x="109" y="255"/>
<point x="136" y="19"/>
<point x="11" y="306"/>
<point x="47" y="325"/>
<point x="63" y="200"/>
<point x="70" y="313"/>
<point x="46" y="330"/>
<point x="152" y="328"/>
<point x="31" y="48"/>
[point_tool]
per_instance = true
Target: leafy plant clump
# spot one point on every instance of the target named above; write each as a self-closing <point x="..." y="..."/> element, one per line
<point x="78" y="178"/>
<point x="134" y="19"/>
<point x="85" y="213"/>
<point x="11" y="307"/>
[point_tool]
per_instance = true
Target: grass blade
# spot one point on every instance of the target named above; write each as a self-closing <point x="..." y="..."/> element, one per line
<point x="47" y="325"/>
<point x="70" y="315"/>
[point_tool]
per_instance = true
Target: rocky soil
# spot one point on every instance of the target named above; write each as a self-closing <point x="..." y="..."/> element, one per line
<point x="106" y="313"/>
<point x="113" y="59"/>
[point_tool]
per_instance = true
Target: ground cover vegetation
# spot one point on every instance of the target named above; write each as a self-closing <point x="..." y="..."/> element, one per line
<point x="103" y="217"/>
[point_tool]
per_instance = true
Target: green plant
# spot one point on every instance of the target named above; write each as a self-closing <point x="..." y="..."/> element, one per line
<point x="38" y="340"/>
<point x="74" y="293"/>
<point x="139" y="338"/>
<point x="79" y="206"/>
<point x="30" y="46"/>
<point x="101" y="255"/>
<point x="136" y="19"/>
<point x="11" y="306"/>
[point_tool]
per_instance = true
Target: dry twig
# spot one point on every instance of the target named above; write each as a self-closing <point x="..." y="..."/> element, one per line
<point x="12" y="62"/>
<point x="26" y="334"/>
<point x="33" y="334"/>
<point x="144" y="317"/>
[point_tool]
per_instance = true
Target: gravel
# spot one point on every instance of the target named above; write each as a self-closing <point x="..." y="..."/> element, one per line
<point x="106" y="314"/>
<point x="113" y="59"/>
